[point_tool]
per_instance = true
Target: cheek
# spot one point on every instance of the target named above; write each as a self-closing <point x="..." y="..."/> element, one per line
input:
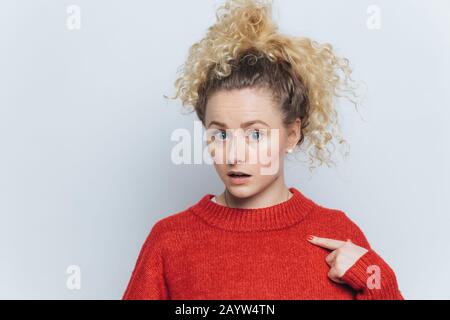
<point x="217" y="152"/>
<point x="270" y="147"/>
<point x="221" y="169"/>
<point x="270" y="155"/>
<point x="273" y="147"/>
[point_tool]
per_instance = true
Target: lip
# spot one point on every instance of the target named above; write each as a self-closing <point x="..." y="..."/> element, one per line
<point x="236" y="172"/>
<point x="239" y="180"/>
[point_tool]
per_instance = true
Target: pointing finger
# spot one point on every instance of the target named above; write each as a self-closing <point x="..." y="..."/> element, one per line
<point x="331" y="244"/>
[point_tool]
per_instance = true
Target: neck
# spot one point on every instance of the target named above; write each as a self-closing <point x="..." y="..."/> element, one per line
<point x="277" y="216"/>
<point x="275" y="193"/>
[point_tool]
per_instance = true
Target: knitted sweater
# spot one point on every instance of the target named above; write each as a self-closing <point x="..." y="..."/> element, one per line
<point x="210" y="251"/>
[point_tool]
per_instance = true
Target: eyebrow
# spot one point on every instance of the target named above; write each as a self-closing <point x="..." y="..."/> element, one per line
<point x="243" y="125"/>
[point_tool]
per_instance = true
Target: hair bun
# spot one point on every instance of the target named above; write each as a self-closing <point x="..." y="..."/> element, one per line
<point x="245" y="21"/>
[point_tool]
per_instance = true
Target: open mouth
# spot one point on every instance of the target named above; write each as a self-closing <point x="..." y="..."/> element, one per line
<point x="239" y="178"/>
<point x="238" y="175"/>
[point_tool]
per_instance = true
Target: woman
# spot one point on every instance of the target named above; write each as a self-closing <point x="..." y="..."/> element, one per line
<point x="260" y="93"/>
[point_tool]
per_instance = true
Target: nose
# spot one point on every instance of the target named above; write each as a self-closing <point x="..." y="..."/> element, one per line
<point x="236" y="148"/>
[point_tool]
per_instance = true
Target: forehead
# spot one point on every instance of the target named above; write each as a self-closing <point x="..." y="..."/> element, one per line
<point x="234" y="107"/>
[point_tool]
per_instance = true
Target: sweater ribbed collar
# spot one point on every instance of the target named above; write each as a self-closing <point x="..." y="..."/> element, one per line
<point x="274" y="217"/>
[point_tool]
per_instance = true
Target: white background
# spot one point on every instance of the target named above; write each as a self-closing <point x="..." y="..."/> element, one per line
<point x="85" y="168"/>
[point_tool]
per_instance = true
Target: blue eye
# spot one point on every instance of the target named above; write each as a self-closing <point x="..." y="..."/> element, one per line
<point x="256" y="134"/>
<point x="221" y="135"/>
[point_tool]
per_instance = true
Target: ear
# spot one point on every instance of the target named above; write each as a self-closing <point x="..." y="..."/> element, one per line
<point x="294" y="133"/>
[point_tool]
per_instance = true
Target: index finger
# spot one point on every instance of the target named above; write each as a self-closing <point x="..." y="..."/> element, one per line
<point x="331" y="244"/>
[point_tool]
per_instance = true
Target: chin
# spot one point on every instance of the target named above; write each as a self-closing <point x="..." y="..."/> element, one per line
<point x="242" y="191"/>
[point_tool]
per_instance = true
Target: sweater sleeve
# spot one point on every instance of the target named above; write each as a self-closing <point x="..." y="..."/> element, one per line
<point x="147" y="280"/>
<point x="370" y="276"/>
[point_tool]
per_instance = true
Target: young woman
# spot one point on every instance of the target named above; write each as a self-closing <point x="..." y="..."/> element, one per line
<point x="258" y="92"/>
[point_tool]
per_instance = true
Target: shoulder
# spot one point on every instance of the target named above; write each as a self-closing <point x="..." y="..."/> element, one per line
<point x="342" y="225"/>
<point x="172" y="222"/>
<point x="171" y="227"/>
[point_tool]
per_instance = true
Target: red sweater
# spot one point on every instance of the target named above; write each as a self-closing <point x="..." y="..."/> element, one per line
<point x="210" y="251"/>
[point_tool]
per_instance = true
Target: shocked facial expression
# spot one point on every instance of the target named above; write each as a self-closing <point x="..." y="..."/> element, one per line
<point x="246" y="138"/>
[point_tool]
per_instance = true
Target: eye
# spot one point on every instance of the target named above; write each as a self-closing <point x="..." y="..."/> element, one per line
<point x="220" y="135"/>
<point x="255" y="134"/>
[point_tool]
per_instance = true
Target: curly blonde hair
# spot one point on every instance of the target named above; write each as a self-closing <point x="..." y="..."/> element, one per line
<point x="244" y="49"/>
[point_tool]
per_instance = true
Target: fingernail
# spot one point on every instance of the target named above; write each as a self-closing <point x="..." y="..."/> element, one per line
<point x="310" y="237"/>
